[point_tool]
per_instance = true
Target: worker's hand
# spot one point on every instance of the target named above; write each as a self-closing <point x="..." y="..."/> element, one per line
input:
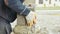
<point x="31" y="18"/>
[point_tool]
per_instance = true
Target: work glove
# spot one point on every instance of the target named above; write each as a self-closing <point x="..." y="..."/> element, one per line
<point x="31" y="19"/>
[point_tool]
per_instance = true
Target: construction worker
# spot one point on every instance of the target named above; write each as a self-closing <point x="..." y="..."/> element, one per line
<point x="8" y="13"/>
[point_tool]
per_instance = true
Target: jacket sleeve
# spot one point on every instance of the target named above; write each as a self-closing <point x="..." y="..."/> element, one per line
<point x="18" y="6"/>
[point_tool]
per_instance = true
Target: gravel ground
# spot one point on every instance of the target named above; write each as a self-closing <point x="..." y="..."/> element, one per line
<point x="49" y="19"/>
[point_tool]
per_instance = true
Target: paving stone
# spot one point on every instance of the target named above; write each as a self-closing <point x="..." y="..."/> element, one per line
<point x="22" y="30"/>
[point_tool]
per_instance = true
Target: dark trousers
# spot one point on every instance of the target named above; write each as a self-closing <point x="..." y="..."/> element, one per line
<point x="5" y="27"/>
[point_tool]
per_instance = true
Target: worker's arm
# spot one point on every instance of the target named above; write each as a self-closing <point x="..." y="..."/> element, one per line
<point x="18" y="7"/>
<point x="22" y="10"/>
